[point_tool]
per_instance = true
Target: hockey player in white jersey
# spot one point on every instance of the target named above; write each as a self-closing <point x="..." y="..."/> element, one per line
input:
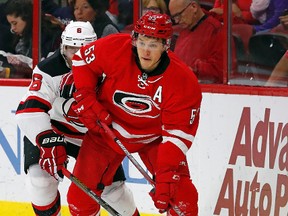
<point x="52" y="130"/>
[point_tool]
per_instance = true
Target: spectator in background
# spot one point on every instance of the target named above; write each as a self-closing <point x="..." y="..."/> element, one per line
<point x="240" y="11"/>
<point x="19" y="15"/>
<point x="94" y="11"/>
<point x="273" y="12"/>
<point x="157" y="6"/>
<point x="200" y="40"/>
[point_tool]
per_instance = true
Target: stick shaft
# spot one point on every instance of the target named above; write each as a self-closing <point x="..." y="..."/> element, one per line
<point x="135" y="163"/>
<point x="89" y="192"/>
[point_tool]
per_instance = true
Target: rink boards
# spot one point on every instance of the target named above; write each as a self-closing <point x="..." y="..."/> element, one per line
<point x="238" y="162"/>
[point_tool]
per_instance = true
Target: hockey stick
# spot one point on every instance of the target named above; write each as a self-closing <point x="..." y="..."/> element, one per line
<point x="135" y="162"/>
<point x="90" y="193"/>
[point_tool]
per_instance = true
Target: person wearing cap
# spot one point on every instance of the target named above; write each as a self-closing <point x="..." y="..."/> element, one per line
<point x="151" y="101"/>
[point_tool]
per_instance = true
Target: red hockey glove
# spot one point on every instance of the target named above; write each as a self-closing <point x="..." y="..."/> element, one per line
<point x="68" y="112"/>
<point x="90" y="111"/>
<point x="167" y="177"/>
<point x="52" y="153"/>
<point x="166" y="184"/>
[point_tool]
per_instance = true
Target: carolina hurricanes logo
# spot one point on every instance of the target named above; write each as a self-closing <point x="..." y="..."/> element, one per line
<point x="69" y="113"/>
<point x="136" y="104"/>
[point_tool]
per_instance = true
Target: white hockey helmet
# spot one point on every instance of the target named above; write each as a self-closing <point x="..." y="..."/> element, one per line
<point x="78" y="33"/>
<point x="75" y="35"/>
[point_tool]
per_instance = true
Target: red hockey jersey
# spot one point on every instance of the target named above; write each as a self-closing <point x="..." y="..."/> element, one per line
<point x="145" y="108"/>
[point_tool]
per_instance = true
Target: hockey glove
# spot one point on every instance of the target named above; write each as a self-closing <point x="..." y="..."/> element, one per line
<point x="90" y="111"/>
<point x="52" y="153"/>
<point x="165" y="187"/>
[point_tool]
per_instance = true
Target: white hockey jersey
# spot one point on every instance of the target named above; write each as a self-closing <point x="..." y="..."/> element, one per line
<point x="47" y="102"/>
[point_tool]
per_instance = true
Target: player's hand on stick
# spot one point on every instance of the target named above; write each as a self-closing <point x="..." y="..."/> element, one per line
<point x="52" y="153"/>
<point x="90" y="111"/>
<point x="165" y="187"/>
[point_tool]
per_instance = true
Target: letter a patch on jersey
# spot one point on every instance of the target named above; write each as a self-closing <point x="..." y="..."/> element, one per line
<point x="158" y="95"/>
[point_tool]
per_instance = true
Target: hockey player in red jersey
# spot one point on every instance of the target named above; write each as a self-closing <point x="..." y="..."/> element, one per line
<point x="150" y="99"/>
<point x="45" y="114"/>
